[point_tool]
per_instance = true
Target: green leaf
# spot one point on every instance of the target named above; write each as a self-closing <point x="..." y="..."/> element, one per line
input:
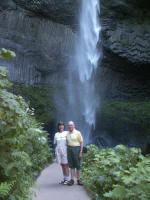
<point x="118" y="193"/>
<point x="7" y="54"/>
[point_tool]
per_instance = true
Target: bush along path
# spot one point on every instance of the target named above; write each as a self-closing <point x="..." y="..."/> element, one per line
<point x="50" y="189"/>
<point x="121" y="173"/>
<point x="24" y="150"/>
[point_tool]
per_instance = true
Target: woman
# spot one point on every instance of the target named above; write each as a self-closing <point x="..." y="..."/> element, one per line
<point x="61" y="151"/>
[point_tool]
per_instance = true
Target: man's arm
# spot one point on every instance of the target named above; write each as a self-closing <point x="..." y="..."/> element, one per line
<point x="81" y="150"/>
<point x="81" y="146"/>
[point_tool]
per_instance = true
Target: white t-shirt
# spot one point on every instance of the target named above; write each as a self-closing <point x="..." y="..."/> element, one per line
<point x="60" y="139"/>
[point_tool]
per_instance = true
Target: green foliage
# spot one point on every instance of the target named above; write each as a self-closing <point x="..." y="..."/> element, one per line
<point x="5" y="189"/>
<point x="117" y="116"/>
<point x="40" y="97"/>
<point x="131" y="112"/>
<point x="4" y="81"/>
<point x="24" y="149"/>
<point x="7" y="54"/>
<point x="119" y="174"/>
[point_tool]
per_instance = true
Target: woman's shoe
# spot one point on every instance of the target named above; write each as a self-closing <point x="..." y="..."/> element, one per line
<point x="79" y="182"/>
<point x="65" y="182"/>
<point x="62" y="182"/>
<point x="71" y="182"/>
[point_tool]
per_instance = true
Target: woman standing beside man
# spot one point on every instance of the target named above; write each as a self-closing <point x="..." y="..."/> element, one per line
<point x="60" y="140"/>
<point x="70" y="150"/>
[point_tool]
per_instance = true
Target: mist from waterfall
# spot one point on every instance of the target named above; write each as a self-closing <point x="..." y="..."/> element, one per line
<point x="82" y="97"/>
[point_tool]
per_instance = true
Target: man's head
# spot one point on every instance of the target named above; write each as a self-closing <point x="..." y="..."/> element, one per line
<point x="71" y="126"/>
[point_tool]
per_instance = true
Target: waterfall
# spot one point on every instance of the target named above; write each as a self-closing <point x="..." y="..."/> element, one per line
<point x="82" y="97"/>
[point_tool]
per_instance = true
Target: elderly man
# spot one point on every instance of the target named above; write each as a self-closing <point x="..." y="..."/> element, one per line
<point x="74" y="152"/>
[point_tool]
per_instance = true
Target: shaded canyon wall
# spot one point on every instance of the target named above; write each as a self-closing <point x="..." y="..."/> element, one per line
<point x="124" y="74"/>
<point x="42" y="32"/>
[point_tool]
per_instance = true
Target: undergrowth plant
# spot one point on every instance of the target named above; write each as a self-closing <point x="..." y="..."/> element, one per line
<point x="24" y="149"/>
<point x="121" y="173"/>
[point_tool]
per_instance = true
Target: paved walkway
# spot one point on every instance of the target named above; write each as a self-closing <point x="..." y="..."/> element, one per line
<point x="51" y="190"/>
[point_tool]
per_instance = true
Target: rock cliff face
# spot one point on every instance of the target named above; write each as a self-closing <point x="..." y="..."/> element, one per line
<point x="124" y="73"/>
<point x="42" y="32"/>
<point x="126" y="30"/>
<point x="43" y="42"/>
<point x="126" y="45"/>
<point x="42" y="46"/>
<point x="61" y="11"/>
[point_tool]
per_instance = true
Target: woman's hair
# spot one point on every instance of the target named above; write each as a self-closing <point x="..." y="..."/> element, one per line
<point x="60" y="124"/>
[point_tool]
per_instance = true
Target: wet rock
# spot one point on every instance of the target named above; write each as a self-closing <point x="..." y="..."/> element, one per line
<point x="126" y="49"/>
<point x="124" y="73"/>
<point x="42" y="46"/>
<point x="61" y="11"/>
<point x="126" y="30"/>
<point x="9" y="4"/>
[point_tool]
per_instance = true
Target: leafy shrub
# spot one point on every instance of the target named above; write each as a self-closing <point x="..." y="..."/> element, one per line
<point x="41" y="98"/>
<point x="121" y="173"/>
<point x="24" y="149"/>
<point x="7" y="54"/>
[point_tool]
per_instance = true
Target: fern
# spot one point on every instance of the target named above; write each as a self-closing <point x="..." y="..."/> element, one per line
<point x="5" y="188"/>
<point x="24" y="149"/>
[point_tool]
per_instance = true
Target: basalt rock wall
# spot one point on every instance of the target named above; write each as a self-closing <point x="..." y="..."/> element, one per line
<point x="125" y="69"/>
<point x="42" y="32"/>
<point x="42" y="46"/>
<point x="42" y="38"/>
<point x="124" y="74"/>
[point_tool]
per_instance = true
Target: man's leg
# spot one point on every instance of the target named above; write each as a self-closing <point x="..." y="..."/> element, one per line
<point x="71" y="165"/>
<point x="72" y="174"/>
<point x="78" y="177"/>
<point x="78" y="174"/>
<point x="71" y="182"/>
<point x="78" y="166"/>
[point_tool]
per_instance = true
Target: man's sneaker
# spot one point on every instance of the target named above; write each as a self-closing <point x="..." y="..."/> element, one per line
<point x="79" y="182"/>
<point x="71" y="182"/>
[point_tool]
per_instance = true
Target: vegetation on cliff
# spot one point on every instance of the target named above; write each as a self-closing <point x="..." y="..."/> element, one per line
<point x="127" y="111"/>
<point x="125" y="118"/>
<point x="39" y="97"/>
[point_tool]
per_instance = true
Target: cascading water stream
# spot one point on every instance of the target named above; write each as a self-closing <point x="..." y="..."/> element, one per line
<point x="83" y="101"/>
<point x="87" y="54"/>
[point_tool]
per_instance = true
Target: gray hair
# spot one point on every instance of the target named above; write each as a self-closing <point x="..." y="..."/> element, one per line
<point x="71" y="122"/>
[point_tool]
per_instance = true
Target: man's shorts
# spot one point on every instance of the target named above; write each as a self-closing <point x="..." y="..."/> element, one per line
<point x="73" y="157"/>
<point x="61" y="156"/>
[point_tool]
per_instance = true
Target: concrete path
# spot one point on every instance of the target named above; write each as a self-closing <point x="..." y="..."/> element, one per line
<point x="51" y="190"/>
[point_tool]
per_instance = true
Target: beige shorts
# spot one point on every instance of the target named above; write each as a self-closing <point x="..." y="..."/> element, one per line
<point x="61" y="156"/>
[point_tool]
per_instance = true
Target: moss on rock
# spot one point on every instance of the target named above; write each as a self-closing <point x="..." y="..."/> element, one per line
<point x="40" y="97"/>
<point x="127" y="122"/>
<point x="137" y="113"/>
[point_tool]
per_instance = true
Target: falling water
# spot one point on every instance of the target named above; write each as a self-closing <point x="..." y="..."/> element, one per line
<point x="83" y="99"/>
